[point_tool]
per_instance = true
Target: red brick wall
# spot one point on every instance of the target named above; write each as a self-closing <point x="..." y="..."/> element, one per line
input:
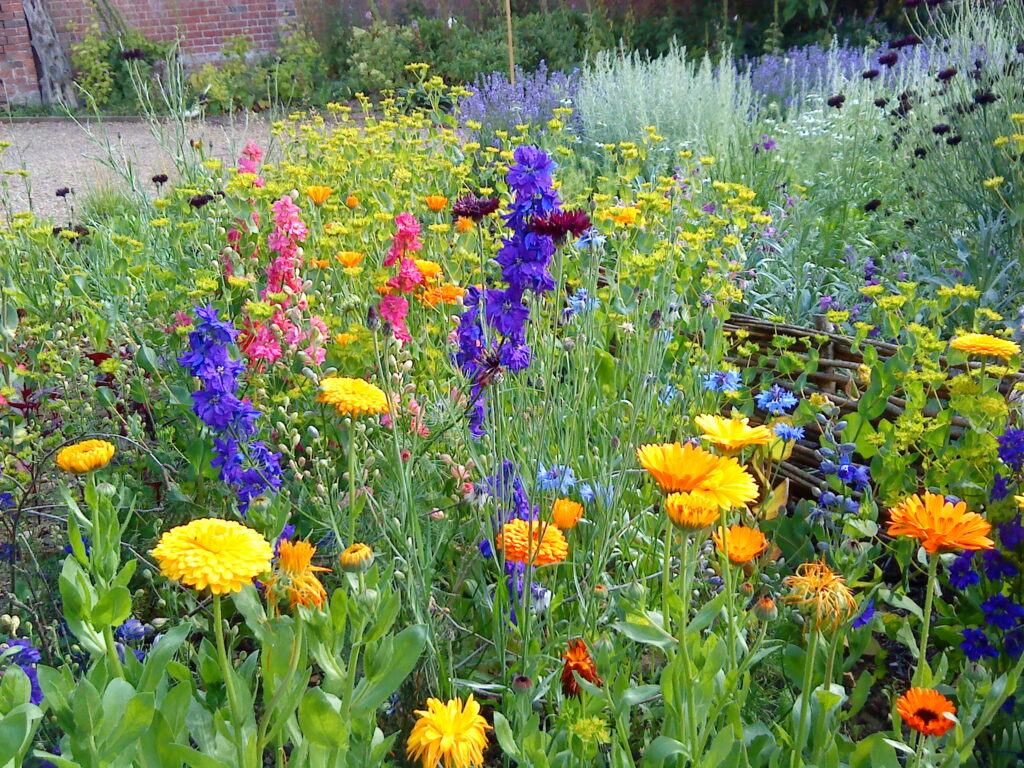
<point x="201" y="25"/>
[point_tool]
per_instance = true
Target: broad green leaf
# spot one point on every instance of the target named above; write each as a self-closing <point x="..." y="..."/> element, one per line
<point x="406" y="648"/>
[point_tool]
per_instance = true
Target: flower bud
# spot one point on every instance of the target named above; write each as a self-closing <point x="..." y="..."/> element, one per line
<point x="356" y="559"/>
<point x="765" y="609"/>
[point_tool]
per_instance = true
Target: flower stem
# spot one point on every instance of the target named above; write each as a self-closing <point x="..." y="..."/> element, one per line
<point x="926" y="620"/>
<point x="685" y="576"/>
<point x="229" y="680"/>
<point x="805" y="698"/>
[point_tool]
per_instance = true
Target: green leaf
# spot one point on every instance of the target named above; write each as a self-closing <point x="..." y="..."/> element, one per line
<point x="113" y="607"/>
<point x="17" y="728"/>
<point x="648" y="634"/>
<point x="195" y="759"/>
<point x="372" y="690"/>
<point x="133" y="723"/>
<point x="507" y="742"/>
<point x="15" y="688"/>
<point x="874" y="752"/>
<point x="707" y="614"/>
<point x="661" y="749"/>
<point x="634" y="695"/>
<point x="145" y="358"/>
<point x="320" y="719"/>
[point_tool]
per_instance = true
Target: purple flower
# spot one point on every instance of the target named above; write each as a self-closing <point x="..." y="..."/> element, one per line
<point x="530" y="174"/>
<point x="1011" y="448"/>
<point x="867" y="613"/>
<point x="996" y="565"/>
<point x="1011" y="534"/>
<point x="961" y="572"/>
<point x="1001" y="612"/>
<point x="505" y="311"/>
<point x="1000" y="488"/>
<point x="130" y="629"/>
<point x="977" y="646"/>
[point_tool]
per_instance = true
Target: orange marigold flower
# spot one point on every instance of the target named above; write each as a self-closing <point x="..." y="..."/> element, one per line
<point x="744" y="544"/>
<point x="436" y="202"/>
<point x="691" y="511"/>
<point x="85" y="456"/>
<point x="463" y="224"/>
<point x="352" y="201"/>
<point x="429" y="269"/>
<point x="318" y="193"/>
<point x="345" y="338"/>
<point x="356" y="558"/>
<point x="294" y="576"/>
<point x="566" y="513"/>
<point x="939" y="525"/>
<point x="349" y="258"/>
<point x="732" y="434"/>
<point x="446" y="294"/>
<point x="926" y="711"/>
<point x="384" y="290"/>
<point x="522" y="542"/>
<point x="319" y="263"/>
<point x="578" y="660"/>
<point x="983" y="344"/>
<point x="821" y="594"/>
<point x="687" y="468"/>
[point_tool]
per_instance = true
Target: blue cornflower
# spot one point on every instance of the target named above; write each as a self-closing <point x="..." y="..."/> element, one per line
<point x="131" y="629"/>
<point x="1011" y="448"/>
<point x="590" y="238"/>
<point x="867" y="613"/>
<point x="590" y="491"/>
<point x="6" y="501"/>
<point x="559" y="478"/>
<point x="667" y="394"/>
<point x="776" y="400"/>
<point x="723" y="381"/>
<point x="8" y="552"/>
<point x="582" y="301"/>
<point x="976" y="645"/>
<point x="788" y="432"/>
<point x="962" y="573"/>
<point x="1001" y="612"/>
<point x="996" y="565"/>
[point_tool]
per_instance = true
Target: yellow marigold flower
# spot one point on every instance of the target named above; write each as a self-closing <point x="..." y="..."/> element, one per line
<point x="85" y="456"/>
<point x="994" y="183"/>
<point x="522" y="542"/>
<point x="743" y="544"/>
<point x="566" y="513"/>
<point x="352" y="201"/>
<point x="345" y="338"/>
<point x="429" y="269"/>
<point x="689" y="468"/>
<point x="983" y="344"/>
<point x="436" y="202"/>
<point x="939" y="525"/>
<point x="732" y="434"/>
<point x="352" y="397"/>
<point x="356" y="558"/>
<point x="295" y="576"/>
<point x="691" y="511"/>
<point x="349" y="259"/>
<point x="220" y="554"/>
<point x="463" y="224"/>
<point x="450" y="733"/>
<point x="821" y="595"/>
<point x="318" y="193"/>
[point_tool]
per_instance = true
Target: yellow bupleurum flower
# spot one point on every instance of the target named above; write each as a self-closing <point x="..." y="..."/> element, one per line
<point x="352" y="397"/>
<point x="691" y="511"/>
<point x="939" y="525"/>
<point x="742" y="544"/>
<point x="566" y="513"/>
<point x="318" y="193"/>
<point x="451" y="732"/>
<point x="688" y="468"/>
<point x="294" y="577"/>
<point x="821" y="595"/>
<point x="356" y="558"/>
<point x="732" y="434"/>
<point x="85" y="456"/>
<point x="983" y="344"/>
<point x="221" y="555"/>
<point x="530" y="541"/>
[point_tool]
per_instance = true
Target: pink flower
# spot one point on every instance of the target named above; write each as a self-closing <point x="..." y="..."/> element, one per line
<point x="394" y="309"/>
<point x="406" y="238"/>
<point x="251" y="158"/>
<point x="181" y="320"/>
<point x="287" y="220"/>
<point x="408" y="277"/>
<point x="260" y="343"/>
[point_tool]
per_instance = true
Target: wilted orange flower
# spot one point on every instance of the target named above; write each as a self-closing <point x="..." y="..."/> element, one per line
<point x="436" y="202"/>
<point x="939" y="525"/>
<point x="744" y="544"/>
<point x="352" y="201"/>
<point x="691" y="511"/>
<point x="578" y="660"/>
<point x="429" y="269"/>
<point x="318" y="193"/>
<point x="821" y="594"/>
<point x="349" y="258"/>
<point x="319" y="263"/>
<point x="925" y="711"/>
<point x="732" y="434"/>
<point x="688" y="468"/>
<point x="983" y="344"/>
<point x="522" y="542"/>
<point x="463" y="224"/>
<point x="295" y="576"/>
<point x="566" y="513"/>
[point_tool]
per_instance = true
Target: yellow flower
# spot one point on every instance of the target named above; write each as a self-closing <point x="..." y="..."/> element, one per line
<point x="220" y="554"/>
<point x="623" y="215"/>
<point x="318" y="193"/>
<point x="352" y="397"/>
<point x="436" y="202"/>
<point x="85" y="456"/>
<point x="522" y="542"/>
<point x="356" y="558"/>
<point x="691" y="511"/>
<point x="983" y="344"/>
<point x="295" y="576"/>
<point x="732" y="434"/>
<point x="994" y="183"/>
<point x="821" y="595"/>
<point x="707" y="160"/>
<point x="349" y="258"/>
<point x="429" y="269"/>
<point x="449" y="733"/>
<point x="566" y="513"/>
<point x="686" y="468"/>
<point x="345" y="338"/>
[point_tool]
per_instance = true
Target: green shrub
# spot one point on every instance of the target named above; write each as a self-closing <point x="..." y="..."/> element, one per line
<point x="104" y="62"/>
<point x="297" y="72"/>
<point x="378" y="57"/>
<point x="234" y="82"/>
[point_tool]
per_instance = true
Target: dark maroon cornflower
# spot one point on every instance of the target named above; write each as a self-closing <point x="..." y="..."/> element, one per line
<point x="869" y="74"/>
<point x="881" y="102"/>
<point x="946" y="75"/>
<point x="985" y="98"/>
<point x="905" y="42"/>
<point x="954" y="140"/>
<point x="198" y="201"/>
<point x="475" y="208"/>
<point x="1020" y="47"/>
<point x="836" y="101"/>
<point x="63" y="191"/>
<point x="920" y="152"/>
<point x="132" y="54"/>
<point x="872" y="204"/>
<point x="910" y="223"/>
<point x="889" y="58"/>
<point x="160" y="179"/>
<point x="558" y="224"/>
<point x="940" y="129"/>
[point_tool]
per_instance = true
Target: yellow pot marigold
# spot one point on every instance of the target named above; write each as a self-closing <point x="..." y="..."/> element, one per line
<point x="449" y="733"/>
<point x="294" y="577"/>
<point x="221" y="555"/>
<point x="352" y="397"/>
<point x="925" y="711"/>
<point x="983" y="344"/>
<point x="85" y="456"/>
<point x="821" y="595"/>
<point x="939" y="525"/>
<point x="687" y="468"/>
<point x="743" y="544"/>
<point x="429" y="269"/>
<point x="691" y="511"/>
<point x="522" y="542"/>
<point x="732" y="434"/>
<point x="356" y="558"/>
<point x="318" y="193"/>
<point x="566" y="513"/>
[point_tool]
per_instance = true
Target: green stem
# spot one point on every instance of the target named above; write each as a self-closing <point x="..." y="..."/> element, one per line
<point x="685" y="577"/>
<point x="805" y="698"/>
<point x="352" y="485"/>
<point x="111" y="647"/>
<point x="926" y="621"/>
<point x="229" y="680"/>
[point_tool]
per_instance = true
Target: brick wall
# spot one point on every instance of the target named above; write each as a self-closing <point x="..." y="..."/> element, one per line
<point x="201" y="25"/>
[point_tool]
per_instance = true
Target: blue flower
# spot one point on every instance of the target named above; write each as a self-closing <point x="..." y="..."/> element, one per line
<point x="667" y="394"/>
<point x="26" y="656"/>
<point x="590" y="238"/>
<point x="867" y="613"/>
<point x="776" y="400"/>
<point x="1011" y="448"/>
<point x="723" y="381"/>
<point x="589" y="492"/>
<point x="582" y="301"/>
<point x="130" y="629"/>
<point x="530" y="174"/>
<point x="961" y="572"/>
<point x="788" y="432"/>
<point x="1011" y="534"/>
<point x="6" y="501"/>
<point x="559" y="478"/>
<point x="976" y="645"/>
<point x="1000" y="488"/>
<point x="1013" y="643"/>
<point x="286" y="533"/>
<point x="1001" y="612"/>
<point x="1009" y="705"/>
<point x="505" y="311"/>
<point x="8" y="552"/>
<point x="997" y="566"/>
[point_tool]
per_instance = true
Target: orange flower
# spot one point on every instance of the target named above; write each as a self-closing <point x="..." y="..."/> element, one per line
<point x="352" y="201"/>
<point x="925" y="711"/>
<point x="566" y="513"/>
<point x="318" y="193"/>
<point x="463" y="224"/>
<point x="429" y="269"/>
<point x="691" y="511"/>
<point x="522" y="543"/>
<point x="821" y="594"/>
<point x="578" y="660"/>
<point x="436" y="202"/>
<point x="295" y="576"/>
<point x="319" y="263"/>
<point x="744" y="544"/>
<point x="939" y="525"/>
<point x="732" y="434"/>
<point x="447" y="294"/>
<point x="349" y="258"/>
<point x="384" y="290"/>
<point x="345" y="338"/>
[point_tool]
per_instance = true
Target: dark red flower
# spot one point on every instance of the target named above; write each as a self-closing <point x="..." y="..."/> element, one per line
<point x="836" y="101"/>
<point x="869" y="74"/>
<point x="578" y="660"/>
<point x="558" y="224"/>
<point x="946" y="75"/>
<point x="889" y="58"/>
<point x="475" y="208"/>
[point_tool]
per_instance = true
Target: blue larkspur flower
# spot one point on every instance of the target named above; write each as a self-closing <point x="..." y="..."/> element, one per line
<point x="977" y="646"/>
<point x="1011" y="448"/>
<point x="130" y="629"/>
<point x="723" y="381"/>
<point x="1001" y="612"/>
<point x="1000" y="488"/>
<point x="1011" y="534"/>
<point x="962" y="573"/>
<point x="776" y="400"/>
<point x="788" y="432"/>
<point x="996" y="565"/>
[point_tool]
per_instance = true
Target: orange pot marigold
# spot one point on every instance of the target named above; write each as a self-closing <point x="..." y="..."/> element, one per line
<point x="526" y="541"/>
<point x="578" y="659"/>
<point x="743" y="544"/>
<point x="925" y="711"/>
<point x="939" y="525"/>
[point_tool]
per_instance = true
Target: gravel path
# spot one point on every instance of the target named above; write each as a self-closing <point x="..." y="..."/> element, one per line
<point x="61" y="153"/>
